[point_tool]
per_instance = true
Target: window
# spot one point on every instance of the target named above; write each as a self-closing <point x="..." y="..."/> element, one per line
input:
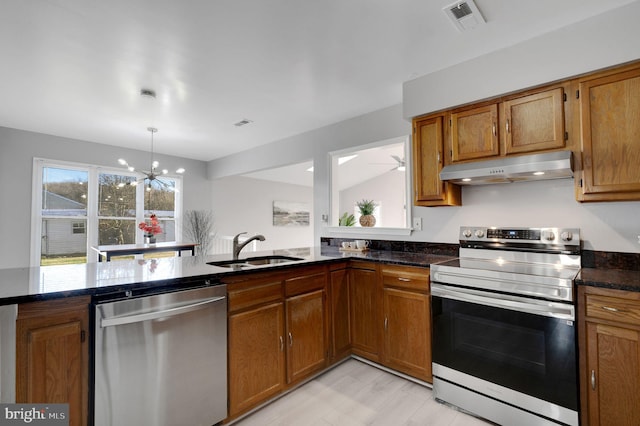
<point x="116" y="209"/>
<point x="375" y="172"/>
<point x="78" y="228"/>
<point x="63" y="209"/>
<point x="78" y="206"/>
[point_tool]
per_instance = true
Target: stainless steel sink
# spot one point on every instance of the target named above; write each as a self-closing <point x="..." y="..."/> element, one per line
<point x="255" y="261"/>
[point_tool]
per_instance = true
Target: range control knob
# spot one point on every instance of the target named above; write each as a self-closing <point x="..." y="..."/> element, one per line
<point x="466" y="233"/>
<point x="479" y="233"/>
<point x="549" y="236"/>
<point x="566" y="236"/>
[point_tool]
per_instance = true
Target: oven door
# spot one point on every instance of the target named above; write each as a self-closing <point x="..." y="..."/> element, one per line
<point x="527" y="345"/>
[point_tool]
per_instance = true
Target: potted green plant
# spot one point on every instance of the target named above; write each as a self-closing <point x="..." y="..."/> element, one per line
<point x="347" y="220"/>
<point x="366" y="208"/>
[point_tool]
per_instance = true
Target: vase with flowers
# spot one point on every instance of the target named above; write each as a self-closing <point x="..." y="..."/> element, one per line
<point x="150" y="228"/>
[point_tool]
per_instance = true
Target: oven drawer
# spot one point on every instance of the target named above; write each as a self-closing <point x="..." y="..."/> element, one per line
<point x="613" y="309"/>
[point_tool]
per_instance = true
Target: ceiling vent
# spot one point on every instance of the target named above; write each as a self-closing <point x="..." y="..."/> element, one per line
<point x="464" y="15"/>
<point x="242" y="122"/>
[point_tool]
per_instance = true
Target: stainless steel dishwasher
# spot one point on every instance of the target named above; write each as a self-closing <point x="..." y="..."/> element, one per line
<point x="162" y="359"/>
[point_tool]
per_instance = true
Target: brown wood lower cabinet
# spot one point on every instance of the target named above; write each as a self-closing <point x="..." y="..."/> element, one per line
<point x="306" y="324"/>
<point x="256" y="356"/>
<point x="306" y="350"/>
<point x="278" y="333"/>
<point x="286" y="326"/>
<point x="52" y="354"/>
<point x="365" y="311"/>
<point x="340" y="317"/>
<point x="609" y="356"/>
<point x="407" y="320"/>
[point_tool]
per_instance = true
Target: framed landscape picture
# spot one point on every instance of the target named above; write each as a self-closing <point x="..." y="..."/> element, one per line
<point x="290" y="213"/>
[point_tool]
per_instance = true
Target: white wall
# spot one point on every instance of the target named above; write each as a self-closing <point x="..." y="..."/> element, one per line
<point x="604" y="226"/>
<point x="595" y="43"/>
<point x="602" y="41"/>
<point x="244" y="204"/>
<point x="388" y="190"/>
<point x="17" y="150"/>
<point x="379" y="125"/>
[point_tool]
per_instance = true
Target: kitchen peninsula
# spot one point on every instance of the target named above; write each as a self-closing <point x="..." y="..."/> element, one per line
<point x="61" y="296"/>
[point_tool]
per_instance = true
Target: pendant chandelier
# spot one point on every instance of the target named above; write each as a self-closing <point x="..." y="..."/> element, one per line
<point x="153" y="174"/>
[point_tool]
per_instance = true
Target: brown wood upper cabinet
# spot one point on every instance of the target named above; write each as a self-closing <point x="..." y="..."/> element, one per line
<point x="610" y="132"/>
<point x="533" y="123"/>
<point x="609" y="356"/>
<point x="52" y="355"/>
<point x="474" y="133"/>
<point x="520" y="124"/>
<point x="428" y="160"/>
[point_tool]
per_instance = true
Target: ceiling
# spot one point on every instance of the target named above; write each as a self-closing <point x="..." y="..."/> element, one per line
<point x="366" y="164"/>
<point x="75" y="68"/>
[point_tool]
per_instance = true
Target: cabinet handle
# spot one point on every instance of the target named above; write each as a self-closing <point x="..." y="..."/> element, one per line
<point x="290" y="340"/>
<point x="281" y="344"/>
<point x="593" y="379"/>
<point x="438" y="157"/>
<point x="386" y="323"/>
<point x="404" y="279"/>
<point x="610" y="309"/>
<point x="508" y="131"/>
<point x="494" y="129"/>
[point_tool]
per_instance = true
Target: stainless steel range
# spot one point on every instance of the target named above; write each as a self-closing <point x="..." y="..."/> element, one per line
<point x="504" y="340"/>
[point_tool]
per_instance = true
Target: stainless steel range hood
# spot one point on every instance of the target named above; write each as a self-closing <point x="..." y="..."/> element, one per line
<point x="551" y="165"/>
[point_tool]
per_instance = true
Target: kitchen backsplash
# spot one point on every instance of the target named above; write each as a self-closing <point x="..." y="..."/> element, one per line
<point x="590" y="258"/>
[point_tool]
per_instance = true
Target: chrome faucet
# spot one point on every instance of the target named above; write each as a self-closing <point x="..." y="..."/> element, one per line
<point x="237" y="247"/>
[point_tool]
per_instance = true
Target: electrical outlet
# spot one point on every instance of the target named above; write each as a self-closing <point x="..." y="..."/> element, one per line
<point x="417" y="224"/>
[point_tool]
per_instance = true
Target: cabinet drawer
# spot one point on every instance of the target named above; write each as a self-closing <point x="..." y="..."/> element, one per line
<point x="305" y="284"/>
<point x="613" y="308"/>
<point x="245" y="295"/>
<point x="405" y="277"/>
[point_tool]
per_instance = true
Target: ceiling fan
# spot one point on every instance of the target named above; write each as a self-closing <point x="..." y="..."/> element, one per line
<point x="399" y="164"/>
<point x="153" y="174"/>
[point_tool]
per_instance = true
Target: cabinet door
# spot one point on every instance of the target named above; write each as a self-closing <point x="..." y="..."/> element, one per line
<point x="533" y="123"/>
<point x="474" y="133"/>
<point x="52" y="355"/>
<point x="428" y="160"/>
<point x="306" y="349"/>
<point x="365" y="325"/>
<point x="609" y="108"/>
<point x="256" y="356"/>
<point x="340" y="321"/>
<point x="613" y="363"/>
<point x="407" y="332"/>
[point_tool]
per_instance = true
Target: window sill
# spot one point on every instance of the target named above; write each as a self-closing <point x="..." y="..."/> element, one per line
<point x="357" y="230"/>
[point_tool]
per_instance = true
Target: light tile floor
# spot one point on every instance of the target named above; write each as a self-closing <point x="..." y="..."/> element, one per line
<point x="355" y="394"/>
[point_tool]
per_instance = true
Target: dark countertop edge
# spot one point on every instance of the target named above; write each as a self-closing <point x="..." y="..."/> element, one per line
<point x="615" y="279"/>
<point x="328" y="256"/>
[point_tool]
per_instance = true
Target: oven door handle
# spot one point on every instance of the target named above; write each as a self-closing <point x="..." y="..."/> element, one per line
<point x="514" y="303"/>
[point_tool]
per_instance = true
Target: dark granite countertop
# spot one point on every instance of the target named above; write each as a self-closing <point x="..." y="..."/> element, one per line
<point x="618" y="279"/>
<point x="18" y="285"/>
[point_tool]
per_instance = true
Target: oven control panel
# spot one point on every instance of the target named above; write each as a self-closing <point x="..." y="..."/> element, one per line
<point x="550" y="236"/>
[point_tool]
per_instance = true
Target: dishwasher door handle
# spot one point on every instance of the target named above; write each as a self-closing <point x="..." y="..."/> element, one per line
<point x="108" y="322"/>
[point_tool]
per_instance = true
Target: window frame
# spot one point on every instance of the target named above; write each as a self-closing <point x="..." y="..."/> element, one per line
<point x="333" y="230"/>
<point x="92" y="218"/>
